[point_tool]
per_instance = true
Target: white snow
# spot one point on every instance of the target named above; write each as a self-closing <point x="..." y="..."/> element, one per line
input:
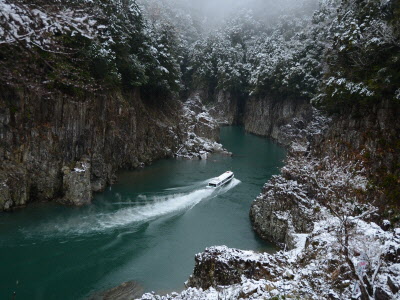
<point x="196" y="117"/>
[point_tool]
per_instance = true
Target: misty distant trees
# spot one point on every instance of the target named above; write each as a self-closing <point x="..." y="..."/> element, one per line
<point x="248" y="55"/>
<point x="345" y="52"/>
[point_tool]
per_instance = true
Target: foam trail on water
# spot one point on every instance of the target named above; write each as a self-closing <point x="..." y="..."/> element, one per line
<point x="160" y="206"/>
<point x="153" y="207"/>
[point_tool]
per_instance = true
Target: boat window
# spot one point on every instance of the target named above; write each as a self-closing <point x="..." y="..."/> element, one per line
<point x="212" y="184"/>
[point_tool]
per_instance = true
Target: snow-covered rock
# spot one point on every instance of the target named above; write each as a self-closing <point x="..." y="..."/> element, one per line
<point x="317" y="266"/>
<point x="201" y="131"/>
<point x="76" y="184"/>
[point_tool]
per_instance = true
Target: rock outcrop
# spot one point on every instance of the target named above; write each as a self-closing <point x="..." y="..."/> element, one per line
<point x="282" y="210"/>
<point x="76" y="184"/>
<point x="324" y="197"/>
<point x="330" y="160"/>
<point x="315" y="267"/>
<point x="201" y="130"/>
<point x="288" y="202"/>
<point x="223" y="266"/>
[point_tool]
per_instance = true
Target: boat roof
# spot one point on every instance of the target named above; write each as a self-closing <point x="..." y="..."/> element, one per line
<point x="221" y="177"/>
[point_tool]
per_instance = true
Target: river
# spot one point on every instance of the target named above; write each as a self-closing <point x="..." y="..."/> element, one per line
<point x="147" y="227"/>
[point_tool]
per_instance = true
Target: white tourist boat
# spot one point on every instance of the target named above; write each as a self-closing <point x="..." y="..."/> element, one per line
<point x="221" y="180"/>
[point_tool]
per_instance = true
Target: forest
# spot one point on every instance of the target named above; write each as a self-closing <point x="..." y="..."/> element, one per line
<point x="341" y="54"/>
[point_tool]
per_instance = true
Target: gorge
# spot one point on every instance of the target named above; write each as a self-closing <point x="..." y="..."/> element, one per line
<point x="92" y="87"/>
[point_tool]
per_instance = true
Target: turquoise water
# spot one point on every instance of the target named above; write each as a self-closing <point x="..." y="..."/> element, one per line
<point x="145" y="228"/>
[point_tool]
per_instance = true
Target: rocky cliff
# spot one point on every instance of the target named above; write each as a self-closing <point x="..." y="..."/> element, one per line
<point x="369" y="136"/>
<point x="355" y="155"/>
<point x="61" y="148"/>
<point x="268" y="116"/>
<point x="52" y="147"/>
<point x="226" y="108"/>
<point x="276" y="118"/>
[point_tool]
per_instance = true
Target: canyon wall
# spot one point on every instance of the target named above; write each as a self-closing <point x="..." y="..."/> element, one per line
<point x="225" y="108"/>
<point x="274" y="118"/>
<point x="60" y="148"/>
<point x="268" y="116"/>
<point x="368" y="134"/>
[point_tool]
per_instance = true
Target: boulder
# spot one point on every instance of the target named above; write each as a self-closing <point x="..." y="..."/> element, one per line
<point x="224" y="266"/>
<point x="76" y="184"/>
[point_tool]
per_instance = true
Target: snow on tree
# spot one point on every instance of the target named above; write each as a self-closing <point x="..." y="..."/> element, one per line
<point x="105" y="41"/>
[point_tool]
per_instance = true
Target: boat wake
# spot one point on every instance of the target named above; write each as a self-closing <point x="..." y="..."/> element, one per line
<point x="132" y="213"/>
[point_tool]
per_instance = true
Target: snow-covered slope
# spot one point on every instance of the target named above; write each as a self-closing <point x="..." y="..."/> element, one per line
<point x="313" y="270"/>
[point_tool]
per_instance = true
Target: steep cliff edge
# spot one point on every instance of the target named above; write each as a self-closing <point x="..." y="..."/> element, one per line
<point x="343" y="177"/>
<point x="369" y="136"/>
<point x="351" y="158"/>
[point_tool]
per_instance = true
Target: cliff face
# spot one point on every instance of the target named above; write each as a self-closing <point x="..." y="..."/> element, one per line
<point x="369" y="136"/>
<point x="54" y="147"/>
<point x="271" y="117"/>
<point x="340" y="179"/>
<point x="287" y="203"/>
<point x="226" y="109"/>
<point x="279" y="119"/>
<point x="349" y="158"/>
